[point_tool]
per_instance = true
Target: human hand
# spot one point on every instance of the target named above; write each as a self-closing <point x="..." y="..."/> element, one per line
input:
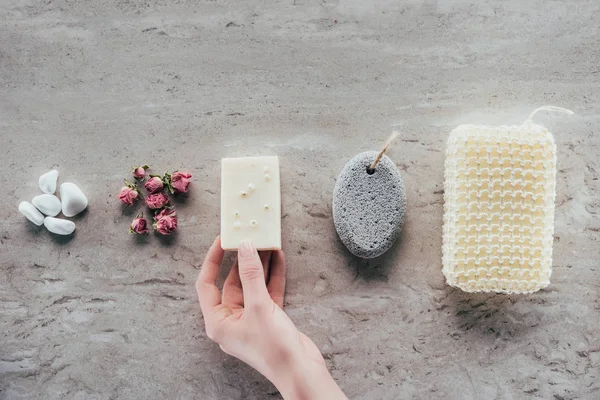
<point x="248" y="322"/>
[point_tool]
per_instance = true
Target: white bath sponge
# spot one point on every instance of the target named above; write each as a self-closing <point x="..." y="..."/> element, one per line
<point x="499" y="208"/>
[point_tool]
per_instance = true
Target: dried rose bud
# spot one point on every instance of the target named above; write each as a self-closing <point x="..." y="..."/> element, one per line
<point x="128" y="194"/>
<point x="139" y="225"/>
<point x="139" y="173"/>
<point x="157" y="200"/>
<point x="165" y="222"/>
<point x="154" y="184"/>
<point x="180" y="181"/>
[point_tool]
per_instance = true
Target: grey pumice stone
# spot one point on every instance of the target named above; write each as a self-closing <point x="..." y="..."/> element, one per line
<point x="369" y="210"/>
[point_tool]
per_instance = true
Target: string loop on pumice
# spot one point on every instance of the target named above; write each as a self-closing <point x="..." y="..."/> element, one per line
<point x="547" y="108"/>
<point x="371" y="169"/>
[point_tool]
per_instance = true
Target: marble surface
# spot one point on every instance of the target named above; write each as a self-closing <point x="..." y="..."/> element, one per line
<point x="94" y="87"/>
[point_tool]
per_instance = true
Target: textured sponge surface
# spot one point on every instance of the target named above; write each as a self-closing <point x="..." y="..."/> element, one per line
<point x="499" y="208"/>
<point x="369" y="209"/>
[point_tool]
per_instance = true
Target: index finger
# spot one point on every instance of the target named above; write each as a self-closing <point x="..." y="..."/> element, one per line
<point x="208" y="293"/>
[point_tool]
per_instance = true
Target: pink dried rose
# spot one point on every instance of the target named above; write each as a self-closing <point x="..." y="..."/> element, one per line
<point x="165" y="222"/>
<point x="157" y="200"/>
<point x="154" y="184"/>
<point x="128" y="194"/>
<point x="139" y="225"/>
<point x="139" y="173"/>
<point x="180" y="181"/>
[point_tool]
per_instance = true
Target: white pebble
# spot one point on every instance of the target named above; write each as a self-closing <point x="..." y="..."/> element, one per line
<point x="48" y="204"/>
<point x="47" y="182"/>
<point x="32" y="213"/>
<point x="267" y="177"/>
<point x="59" y="226"/>
<point x="253" y="223"/>
<point x="251" y="187"/>
<point x="266" y="206"/>
<point x="73" y="199"/>
<point x="237" y="225"/>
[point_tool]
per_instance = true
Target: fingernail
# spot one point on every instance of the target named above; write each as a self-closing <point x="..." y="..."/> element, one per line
<point x="246" y="249"/>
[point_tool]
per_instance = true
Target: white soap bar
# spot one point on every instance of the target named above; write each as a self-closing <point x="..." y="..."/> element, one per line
<point x="250" y="202"/>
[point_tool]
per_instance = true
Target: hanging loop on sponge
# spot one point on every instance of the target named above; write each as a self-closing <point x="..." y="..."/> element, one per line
<point x="547" y="108"/>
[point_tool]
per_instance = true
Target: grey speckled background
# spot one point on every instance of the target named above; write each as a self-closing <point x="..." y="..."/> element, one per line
<point x="93" y="87"/>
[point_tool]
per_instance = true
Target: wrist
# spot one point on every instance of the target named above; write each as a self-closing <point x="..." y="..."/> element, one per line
<point x="302" y="377"/>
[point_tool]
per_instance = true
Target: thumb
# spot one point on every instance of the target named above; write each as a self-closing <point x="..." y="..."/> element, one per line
<point x="252" y="276"/>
